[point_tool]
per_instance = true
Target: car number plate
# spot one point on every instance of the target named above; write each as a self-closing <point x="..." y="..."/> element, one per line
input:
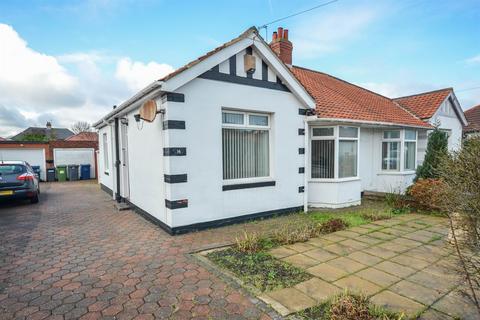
<point x="6" y="193"/>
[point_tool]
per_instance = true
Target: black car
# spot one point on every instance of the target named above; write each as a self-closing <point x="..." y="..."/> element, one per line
<point x="18" y="181"/>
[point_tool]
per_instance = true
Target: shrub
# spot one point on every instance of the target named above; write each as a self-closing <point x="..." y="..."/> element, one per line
<point x="350" y="307"/>
<point x="333" y="226"/>
<point x="427" y="193"/>
<point x="437" y="148"/>
<point x="398" y="202"/>
<point x="292" y="233"/>
<point x="252" y="242"/>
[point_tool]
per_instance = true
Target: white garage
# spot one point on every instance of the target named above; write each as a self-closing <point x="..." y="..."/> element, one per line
<point x="35" y="157"/>
<point x="79" y="156"/>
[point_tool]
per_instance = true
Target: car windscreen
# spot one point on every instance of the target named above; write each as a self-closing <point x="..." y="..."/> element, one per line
<point x="12" y="169"/>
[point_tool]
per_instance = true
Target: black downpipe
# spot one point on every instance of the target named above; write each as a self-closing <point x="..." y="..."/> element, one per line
<point x="117" y="161"/>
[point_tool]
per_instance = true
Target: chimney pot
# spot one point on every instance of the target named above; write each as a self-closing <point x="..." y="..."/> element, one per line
<point x="49" y="125"/>
<point x="282" y="46"/>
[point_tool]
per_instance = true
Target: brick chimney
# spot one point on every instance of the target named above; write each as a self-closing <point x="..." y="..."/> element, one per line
<point x="49" y="125"/>
<point x="282" y="46"/>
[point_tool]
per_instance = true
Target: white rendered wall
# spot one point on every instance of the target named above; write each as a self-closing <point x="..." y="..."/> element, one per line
<point x="334" y="194"/>
<point x="105" y="176"/>
<point x="203" y="163"/>
<point x="145" y="165"/>
<point x="448" y="120"/>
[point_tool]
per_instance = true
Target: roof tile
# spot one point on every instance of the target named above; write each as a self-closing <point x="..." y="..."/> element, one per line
<point x="473" y="119"/>
<point x="424" y="104"/>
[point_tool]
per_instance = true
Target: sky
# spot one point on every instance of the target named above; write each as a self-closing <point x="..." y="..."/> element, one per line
<point x="68" y="61"/>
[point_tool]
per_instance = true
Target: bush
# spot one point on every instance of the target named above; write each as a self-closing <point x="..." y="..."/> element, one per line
<point x="397" y="202"/>
<point x="437" y="148"/>
<point x="350" y="307"/>
<point x="333" y="226"/>
<point x="292" y="233"/>
<point x="427" y="193"/>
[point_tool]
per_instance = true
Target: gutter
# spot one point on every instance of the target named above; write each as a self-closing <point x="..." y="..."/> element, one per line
<point x="390" y="124"/>
<point x="153" y="86"/>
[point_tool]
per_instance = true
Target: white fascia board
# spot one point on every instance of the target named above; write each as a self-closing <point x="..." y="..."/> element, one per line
<point x="459" y="112"/>
<point x="282" y="70"/>
<point x="313" y="119"/>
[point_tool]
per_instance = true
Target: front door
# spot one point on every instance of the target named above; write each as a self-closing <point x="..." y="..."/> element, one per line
<point x="125" y="189"/>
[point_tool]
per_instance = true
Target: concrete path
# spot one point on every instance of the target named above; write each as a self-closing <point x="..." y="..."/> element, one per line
<point x="403" y="264"/>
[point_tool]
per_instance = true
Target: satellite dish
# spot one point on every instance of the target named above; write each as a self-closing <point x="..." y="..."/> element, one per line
<point x="148" y="111"/>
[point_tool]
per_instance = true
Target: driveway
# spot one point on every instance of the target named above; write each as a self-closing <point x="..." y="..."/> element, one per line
<point x="74" y="256"/>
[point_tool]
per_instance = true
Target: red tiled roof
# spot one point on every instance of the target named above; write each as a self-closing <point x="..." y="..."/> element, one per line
<point x="424" y="104"/>
<point x="84" y="136"/>
<point x="336" y="98"/>
<point x="473" y="119"/>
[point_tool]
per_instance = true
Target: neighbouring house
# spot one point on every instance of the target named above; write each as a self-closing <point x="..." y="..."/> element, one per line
<point x="84" y="136"/>
<point x="241" y="133"/>
<point x="43" y="134"/>
<point x="3" y="139"/>
<point x="473" y="119"/>
<point x="439" y="108"/>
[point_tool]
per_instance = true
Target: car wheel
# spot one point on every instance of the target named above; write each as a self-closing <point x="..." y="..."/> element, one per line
<point x="34" y="199"/>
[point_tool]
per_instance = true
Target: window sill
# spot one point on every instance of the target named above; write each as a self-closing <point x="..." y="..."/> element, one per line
<point x="338" y="180"/>
<point x="395" y="173"/>
<point x="238" y="186"/>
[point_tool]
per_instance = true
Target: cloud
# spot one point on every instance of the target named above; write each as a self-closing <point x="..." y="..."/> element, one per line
<point x="473" y="60"/>
<point x="35" y="87"/>
<point x="29" y="78"/>
<point x="137" y="75"/>
<point x="322" y="34"/>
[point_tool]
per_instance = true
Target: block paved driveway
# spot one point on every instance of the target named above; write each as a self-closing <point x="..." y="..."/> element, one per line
<point x="74" y="256"/>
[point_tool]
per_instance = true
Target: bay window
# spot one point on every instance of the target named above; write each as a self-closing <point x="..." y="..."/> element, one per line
<point x="334" y="152"/>
<point x="245" y="145"/>
<point x="410" y="149"/>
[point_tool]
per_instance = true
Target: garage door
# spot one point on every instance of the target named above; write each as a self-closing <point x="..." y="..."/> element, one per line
<point x="35" y="157"/>
<point x="66" y="156"/>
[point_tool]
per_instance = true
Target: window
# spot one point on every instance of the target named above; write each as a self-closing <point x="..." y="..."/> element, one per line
<point x="105" y="152"/>
<point x="323" y="153"/>
<point x="347" y="152"/>
<point x="391" y="150"/>
<point x="245" y="143"/>
<point x="394" y="141"/>
<point x="410" y="149"/>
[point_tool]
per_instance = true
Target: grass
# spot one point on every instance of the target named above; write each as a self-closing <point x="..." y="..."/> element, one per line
<point x="259" y="269"/>
<point x="347" y="306"/>
<point x="355" y="216"/>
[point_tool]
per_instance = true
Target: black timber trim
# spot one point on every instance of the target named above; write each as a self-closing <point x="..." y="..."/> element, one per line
<point x="106" y="189"/>
<point x="248" y="185"/>
<point x="264" y="71"/>
<point x="174" y="97"/>
<point x="147" y="216"/>
<point x="176" y="204"/>
<point x="175" y="178"/>
<point x="301" y="170"/>
<point x="233" y="65"/>
<point x="233" y="220"/>
<point x="302" y="112"/>
<point x="301" y="132"/>
<point x="173" y="124"/>
<point x="174" y="151"/>
<point x="210" y="224"/>
<point x="301" y="150"/>
<point x="301" y="189"/>
<point x="218" y="76"/>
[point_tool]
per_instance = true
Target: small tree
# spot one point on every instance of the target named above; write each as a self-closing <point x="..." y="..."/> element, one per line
<point x="460" y="174"/>
<point x="81" y="126"/>
<point x="437" y="147"/>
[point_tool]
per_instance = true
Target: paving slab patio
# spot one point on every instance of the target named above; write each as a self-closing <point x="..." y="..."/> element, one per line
<point x="403" y="264"/>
